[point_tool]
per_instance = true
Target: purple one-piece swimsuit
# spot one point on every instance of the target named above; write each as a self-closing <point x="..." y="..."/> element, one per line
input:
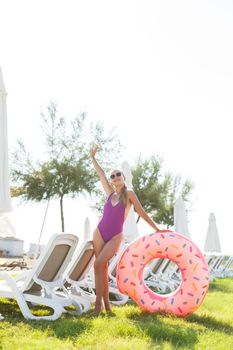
<point x="112" y="220"/>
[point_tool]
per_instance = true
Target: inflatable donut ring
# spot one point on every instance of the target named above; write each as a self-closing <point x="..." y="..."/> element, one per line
<point x="173" y="246"/>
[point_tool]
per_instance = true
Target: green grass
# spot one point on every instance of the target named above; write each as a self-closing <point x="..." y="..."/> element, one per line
<point x="210" y="327"/>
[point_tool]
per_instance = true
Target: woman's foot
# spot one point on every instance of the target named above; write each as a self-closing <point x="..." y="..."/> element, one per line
<point x="108" y="307"/>
<point x="98" y="309"/>
<point x="97" y="312"/>
<point x="109" y="311"/>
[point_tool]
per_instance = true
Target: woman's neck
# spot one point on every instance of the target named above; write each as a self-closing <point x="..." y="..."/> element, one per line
<point x="119" y="189"/>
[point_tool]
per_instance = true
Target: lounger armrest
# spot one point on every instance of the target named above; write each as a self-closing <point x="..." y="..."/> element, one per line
<point x="21" y="276"/>
<point x="48" y="285"/>
<point x="8" y="278"/>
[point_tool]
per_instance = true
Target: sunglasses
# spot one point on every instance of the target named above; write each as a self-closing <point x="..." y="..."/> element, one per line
<point x="114" y="175"/>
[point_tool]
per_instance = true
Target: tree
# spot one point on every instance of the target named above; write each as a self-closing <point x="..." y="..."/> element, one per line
<point x="157" y="191"/>
<point x="66" y="169"/>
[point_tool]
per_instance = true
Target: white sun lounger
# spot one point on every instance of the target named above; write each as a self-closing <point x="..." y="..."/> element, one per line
<point x="77" y="283"/>
<point x="79" y="280"/>
<point x="223" y="267"/>
<point x="158" y="274"/>
<point x="36" y="285"/>
<point x="228" y="269"/>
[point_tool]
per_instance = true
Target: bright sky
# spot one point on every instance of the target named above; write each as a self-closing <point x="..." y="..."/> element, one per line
<point x="160" y="71"/>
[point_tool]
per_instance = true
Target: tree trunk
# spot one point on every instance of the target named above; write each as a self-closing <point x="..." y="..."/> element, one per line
<point x="62" y="216"/>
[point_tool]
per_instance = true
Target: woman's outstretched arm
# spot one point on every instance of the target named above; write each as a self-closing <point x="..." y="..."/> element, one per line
<point x="103" y="178"/>
<point x="141" y="212"/>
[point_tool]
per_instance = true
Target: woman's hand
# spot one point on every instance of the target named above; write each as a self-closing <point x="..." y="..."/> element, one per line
<point x="93" y="151"/>
<point x="103" y="179"/>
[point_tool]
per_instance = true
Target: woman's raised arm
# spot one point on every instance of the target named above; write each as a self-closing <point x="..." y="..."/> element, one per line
<point x="102" y="176"/>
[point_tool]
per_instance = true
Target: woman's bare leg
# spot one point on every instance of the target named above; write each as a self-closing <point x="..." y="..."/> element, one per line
<point x="98" y="244"/>
<point x="101" y="267"/>
<point x="106" y="290"/>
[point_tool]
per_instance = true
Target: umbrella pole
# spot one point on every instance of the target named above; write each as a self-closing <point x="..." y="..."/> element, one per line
<point x="42" y="227"/>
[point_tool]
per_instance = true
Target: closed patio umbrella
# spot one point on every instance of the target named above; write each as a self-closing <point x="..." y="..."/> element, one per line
<point x="212" y="242"/>
<point x="5" y="201"/>
<point x="130" y="228"/>
<point x="180" y="218"/>
<point x="87" y="230"/>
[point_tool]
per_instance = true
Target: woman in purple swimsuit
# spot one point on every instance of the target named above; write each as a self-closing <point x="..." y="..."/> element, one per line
<point x="108" y="235"/>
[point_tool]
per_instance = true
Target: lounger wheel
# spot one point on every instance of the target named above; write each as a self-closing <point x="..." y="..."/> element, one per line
<point x="78" y="309"/>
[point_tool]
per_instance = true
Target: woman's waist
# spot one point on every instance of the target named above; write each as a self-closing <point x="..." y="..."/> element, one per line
<point x="110" y="221"/>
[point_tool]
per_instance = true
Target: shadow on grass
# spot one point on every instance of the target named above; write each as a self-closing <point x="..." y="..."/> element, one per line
<point x="66" y="326"/>
<point x="160" y="332"/>
<point x="210" y="323"/>
<point x="225" y="286"/>
<point x="9" y="308"/>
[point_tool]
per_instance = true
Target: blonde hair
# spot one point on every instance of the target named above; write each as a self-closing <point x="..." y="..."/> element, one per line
<point x="124" y="195"/>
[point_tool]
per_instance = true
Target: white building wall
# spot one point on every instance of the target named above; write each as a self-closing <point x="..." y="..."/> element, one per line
<point x="13" y="247"/>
